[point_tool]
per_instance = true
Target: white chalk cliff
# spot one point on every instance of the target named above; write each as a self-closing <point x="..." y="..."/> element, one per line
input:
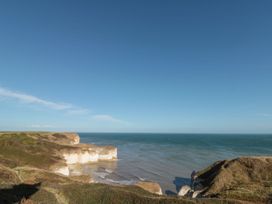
<point x="89" y="153"/>
<point x="72" y="152"/>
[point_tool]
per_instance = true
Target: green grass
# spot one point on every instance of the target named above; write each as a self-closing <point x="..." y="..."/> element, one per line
<point x="105" y="194"/>
<point x="23" y="150"/>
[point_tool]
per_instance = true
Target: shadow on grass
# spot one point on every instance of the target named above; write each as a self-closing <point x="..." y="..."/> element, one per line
<point x="270" y="198"/>
<point x="179" y="182"/>
<point x="18" y="192"/>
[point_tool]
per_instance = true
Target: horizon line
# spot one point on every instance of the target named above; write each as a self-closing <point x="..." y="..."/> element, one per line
<point x="109" y="132"/>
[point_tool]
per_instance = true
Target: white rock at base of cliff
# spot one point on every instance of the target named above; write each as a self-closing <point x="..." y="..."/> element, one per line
<point x="151" y="187"/>
<point x="196" y="194"/>
<point x="185" y="190"/>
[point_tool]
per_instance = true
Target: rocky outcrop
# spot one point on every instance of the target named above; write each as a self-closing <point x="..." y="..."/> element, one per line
<point x="245" y="178"/>
<point x="184" y="191"/>
<point x="151" y="187"/>
<point x="75" y="153"/>
<point x="196" y="194"/>
<point x="50" y="151"/>
<point x="83" y="153"/>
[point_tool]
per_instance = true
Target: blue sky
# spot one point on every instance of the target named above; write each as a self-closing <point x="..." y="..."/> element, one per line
<point x="136" y="66"/>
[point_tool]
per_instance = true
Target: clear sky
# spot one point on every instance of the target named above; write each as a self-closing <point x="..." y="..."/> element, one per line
<point x="136" y="66"/>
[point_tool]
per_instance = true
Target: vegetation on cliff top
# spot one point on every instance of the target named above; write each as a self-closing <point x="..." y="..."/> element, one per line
<point x="245" y="178"/>
<point x="23" y="149"/>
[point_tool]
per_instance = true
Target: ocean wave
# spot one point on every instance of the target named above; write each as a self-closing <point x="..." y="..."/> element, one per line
<point x="101" y="175"/>
<point x="140" y="178"/>
<point x="109" y="171"/>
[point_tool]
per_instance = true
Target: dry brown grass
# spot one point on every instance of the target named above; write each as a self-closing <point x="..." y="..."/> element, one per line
<point x="26" y="201"/>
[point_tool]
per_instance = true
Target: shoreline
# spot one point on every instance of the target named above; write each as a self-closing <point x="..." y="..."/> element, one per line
<point x="170" y="159"/>
<point x="34" y="157"/>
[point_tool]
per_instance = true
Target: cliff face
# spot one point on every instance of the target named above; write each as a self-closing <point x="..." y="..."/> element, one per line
<point x="245" y="178"/>
<point x="88" y="153"/>
<point x="52" y="151"/>
<point x="33" y="165"/>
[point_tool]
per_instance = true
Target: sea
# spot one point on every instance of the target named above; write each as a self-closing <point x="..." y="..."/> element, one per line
<point x="167" y="159"/>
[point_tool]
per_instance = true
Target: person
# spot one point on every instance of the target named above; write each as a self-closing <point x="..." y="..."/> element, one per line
<point x="193" y="177"/>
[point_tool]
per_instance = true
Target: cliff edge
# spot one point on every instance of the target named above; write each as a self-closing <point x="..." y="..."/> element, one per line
<point x="50" y="151"/>
<point x="244" y="178"/>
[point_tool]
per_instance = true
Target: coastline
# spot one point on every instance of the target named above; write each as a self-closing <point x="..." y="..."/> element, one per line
<point x="169" y="159"/>
<point x="35" y="158"/>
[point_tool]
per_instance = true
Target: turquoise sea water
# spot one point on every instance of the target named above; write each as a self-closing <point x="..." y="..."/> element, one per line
<point x="169" y="158"/>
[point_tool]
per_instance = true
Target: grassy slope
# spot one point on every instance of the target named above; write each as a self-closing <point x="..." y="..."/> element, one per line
<point x="59" y="189"/>
<point x="248" y="179"/>
<point x="21" y="149"/>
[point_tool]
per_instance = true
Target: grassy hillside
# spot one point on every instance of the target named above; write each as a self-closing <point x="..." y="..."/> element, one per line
<point x="248" y="179"/>
<point x="27" y="149"/>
